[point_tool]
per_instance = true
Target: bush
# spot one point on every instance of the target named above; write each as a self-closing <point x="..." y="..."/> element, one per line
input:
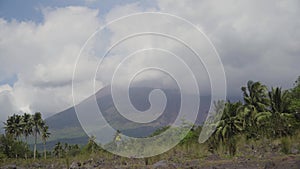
<point x="286" y="145"/>
<point x="11" y="148"/>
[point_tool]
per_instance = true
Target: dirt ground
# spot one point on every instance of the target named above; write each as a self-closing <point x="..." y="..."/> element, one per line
<point x="211" y="162"/>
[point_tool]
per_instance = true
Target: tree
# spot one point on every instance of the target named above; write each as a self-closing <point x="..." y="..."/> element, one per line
<point x="10" y="147"/>
<point x="92" y="146"/>
<point x="255" y="95"/>
<point x="9" y="126"/>
<point x="279" y="100"/>
<point x="74" y="150"/>
<point x="256" y="103"/>
<point x="229" y="126"/>
<point x="27" y="127"/>
<point x="38" y="124"/>
<point x="13" y="126"/>
<point x="45" y="136"/>
<point x="26" y="124"/>
<point x="295" y="99"/>
<point x="58" y="150"/>
<point x="281" y="117"/>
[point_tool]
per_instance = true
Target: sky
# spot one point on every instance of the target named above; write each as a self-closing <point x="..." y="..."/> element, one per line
<point x="40" y="41"/>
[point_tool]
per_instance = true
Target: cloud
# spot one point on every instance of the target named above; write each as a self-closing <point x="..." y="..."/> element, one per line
<point x="42" y="55"/>
<point x="5" y="88"/>
<point x="256" y="40"/>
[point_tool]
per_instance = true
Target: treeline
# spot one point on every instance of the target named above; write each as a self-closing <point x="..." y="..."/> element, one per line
<point x="65" y="150"/>
<point x="264" y="114"/>
<point x="19" y="128"/>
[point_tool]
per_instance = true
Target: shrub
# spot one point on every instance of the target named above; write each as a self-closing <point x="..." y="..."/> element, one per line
<point x="286" y="145"/>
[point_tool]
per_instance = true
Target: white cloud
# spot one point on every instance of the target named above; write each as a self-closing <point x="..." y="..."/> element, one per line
<point x="43" y="56"/>
<point x="5" y="88"/>
<point x="256" y="40"/>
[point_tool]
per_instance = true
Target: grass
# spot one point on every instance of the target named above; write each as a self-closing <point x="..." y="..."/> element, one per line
<point x="260" y="151"/>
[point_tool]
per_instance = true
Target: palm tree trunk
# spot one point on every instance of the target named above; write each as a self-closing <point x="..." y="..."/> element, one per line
<point x="26" y="145"/>
<point x="18" y="139"/>
<point x="45" y="154"/>
<point x="34" y="149"/>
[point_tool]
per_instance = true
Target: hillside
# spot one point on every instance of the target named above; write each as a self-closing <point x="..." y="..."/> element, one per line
<point x="65" y="125"/>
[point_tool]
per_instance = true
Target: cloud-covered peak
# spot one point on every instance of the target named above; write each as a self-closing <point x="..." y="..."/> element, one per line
<point x="256" y="40"/>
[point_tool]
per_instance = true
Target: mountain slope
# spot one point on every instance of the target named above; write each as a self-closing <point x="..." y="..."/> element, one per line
<point x="66" y="126"/>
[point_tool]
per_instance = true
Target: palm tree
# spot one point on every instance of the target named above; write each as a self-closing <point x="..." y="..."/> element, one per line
<point x="256" y="95"/>
<point x="256" y="104"/>
<point x="229" y="126"/>
<point x="295" y="100"/>
<point x="45" y="136"/>
<point x="13" y="126"/>
<point x="9" y="126"/>
<point x="92" y="145"/>
<point x="38" y="124"/>
<point x="281" y="116"/>
<point x="27" y="127"/>
<point x="279" y="100"/>
<point x="19" y="126"/>
<point x="58" y="150"/>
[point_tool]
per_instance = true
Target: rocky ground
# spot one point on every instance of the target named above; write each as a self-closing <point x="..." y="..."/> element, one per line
<point x="210" y="162"/>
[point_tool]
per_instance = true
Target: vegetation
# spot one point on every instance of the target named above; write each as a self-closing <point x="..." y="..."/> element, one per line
<point x="266" y="120"/>
<point x="22" y="125"/>
<point x="264" y="114"/>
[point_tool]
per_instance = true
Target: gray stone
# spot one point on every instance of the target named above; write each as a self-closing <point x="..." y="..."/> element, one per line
<point x="75" y="165"/>
<point x="162" y="163"/>
<point x="269" y="165"/>
<point x="294" y="150"/>
<point x="12" y="166"/>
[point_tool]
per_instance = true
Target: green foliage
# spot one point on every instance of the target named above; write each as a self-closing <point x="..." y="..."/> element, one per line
<point x="192" y="136"/>
<point x="45" y="136"/>
<point x="58" y="150"/>
<point x="256" y="100"/>
<point x="286" y="145"/>
<point x="160" y="130"/>
<point x="295" y="99"/>
<point x="25" y="125"/>
<point x="228" y="128"/>
<point x="63" y="150"/>
<point x="255" y="96"/>
<point x="263" y="116"/>
<point x="11" y="148"/>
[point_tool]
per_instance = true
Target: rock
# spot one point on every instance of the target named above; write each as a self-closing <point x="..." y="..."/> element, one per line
<point x="88" y="161"/>
<point x="12" y="166"/>
<point x="173" y="165"/>
<point x="98" y="162"/>
<point x="297" y="164"/>
<point x="269" y="165"/>
<point x="192" y="163"/>
<point x="159" y="164"/>
<point x="213" y="157"/>
<point x="294" y="150"/>
<point x="75" y="165"/>
<point x="88" y="166"/>
<point x="164" y="164"/>
<point x="37" y="165"/>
